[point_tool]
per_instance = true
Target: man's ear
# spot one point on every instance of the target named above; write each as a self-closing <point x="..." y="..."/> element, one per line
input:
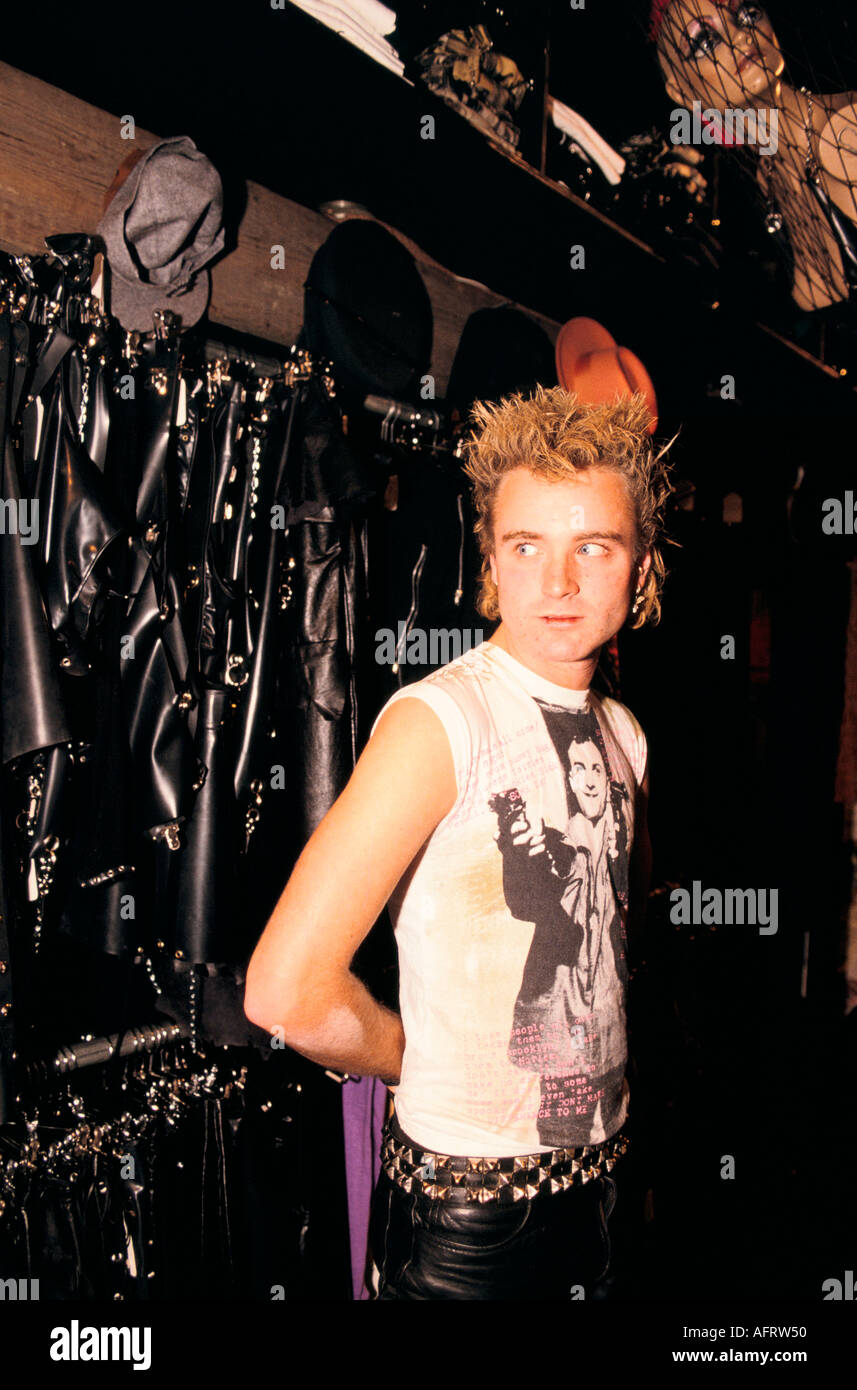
<point x="644" y="564"/>
<point x="492" y="565"/>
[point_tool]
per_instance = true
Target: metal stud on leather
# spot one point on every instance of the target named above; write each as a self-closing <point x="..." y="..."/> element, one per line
<point x="439" y="1176"/>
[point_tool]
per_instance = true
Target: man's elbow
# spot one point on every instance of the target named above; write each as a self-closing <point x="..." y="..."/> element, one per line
<point x="291" y="1012"/>
<point x="271" y="1009"/>
<point x="256" y="1008"/>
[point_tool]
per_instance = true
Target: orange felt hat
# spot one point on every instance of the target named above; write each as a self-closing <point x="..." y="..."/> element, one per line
<point x="590" y="363"/>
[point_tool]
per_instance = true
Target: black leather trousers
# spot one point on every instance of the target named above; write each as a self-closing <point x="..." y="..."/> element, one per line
<point x="548" y="1247"/>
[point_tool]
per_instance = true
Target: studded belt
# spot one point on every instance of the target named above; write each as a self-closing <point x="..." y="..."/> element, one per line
<point x="515" y="1179"/>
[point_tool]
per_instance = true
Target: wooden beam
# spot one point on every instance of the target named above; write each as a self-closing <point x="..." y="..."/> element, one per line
<point x="58" y="155"/>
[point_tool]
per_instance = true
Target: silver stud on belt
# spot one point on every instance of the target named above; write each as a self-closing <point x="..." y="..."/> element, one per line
<point x="520" y="1178"/>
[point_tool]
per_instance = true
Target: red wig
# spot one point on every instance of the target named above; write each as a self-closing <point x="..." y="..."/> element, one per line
<point x="656" y="18"/>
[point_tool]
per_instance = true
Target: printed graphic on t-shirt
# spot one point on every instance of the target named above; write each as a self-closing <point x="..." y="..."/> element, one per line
<point x="571" y="882"/>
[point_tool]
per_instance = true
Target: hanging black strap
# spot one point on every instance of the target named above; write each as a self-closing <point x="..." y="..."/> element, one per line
<point x="52" y="355"/>
<point x="7" y="1038"/>
<point x="7" y="1031"/>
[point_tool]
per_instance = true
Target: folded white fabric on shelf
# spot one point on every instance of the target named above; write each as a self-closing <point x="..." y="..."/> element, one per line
<point x="375" y="15"/>
<point x="611" y="163"/>
<point x="363" y="23"/>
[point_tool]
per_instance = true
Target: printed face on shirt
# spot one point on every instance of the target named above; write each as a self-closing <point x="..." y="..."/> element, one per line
<point x="588" y="778"/>
<point x="722" y="54"/>
<point x="564" y="562"/>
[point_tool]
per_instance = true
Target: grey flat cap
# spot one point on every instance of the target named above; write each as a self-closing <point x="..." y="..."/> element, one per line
<point x="162" y="226"/>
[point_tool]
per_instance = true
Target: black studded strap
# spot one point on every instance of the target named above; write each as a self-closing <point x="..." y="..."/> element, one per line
<point x="518" y="1178"/>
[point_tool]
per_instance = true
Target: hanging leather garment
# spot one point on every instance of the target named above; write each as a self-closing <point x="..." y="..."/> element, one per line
<point x="155" y="679"/>
<point x="77" y="520"/>
<point x="424" y="561"/>
<point x="79" y="523"/>
<point x="135" y="767"/>
<point x="217" y="512"/>
<point x="242" y="645"/>
<point x="7" y="1003"/>
<point x="85" y="577"/>
<point x="290" y="443"/>
<point x="30" y="699"/>
<point x="237" y="544"/>
<point x="104" y="846"/>
<point x="209" y="919"/>
<point x="272" y="442"/>
<point x="325" y="486"/>
<point x="368" y="311"/>
<point x="227" y="536"/>
<point x="89" y="370"/>
<point x="34" y="726"/>
<point x="207" y="453"/>
<point x="31" y="708"/>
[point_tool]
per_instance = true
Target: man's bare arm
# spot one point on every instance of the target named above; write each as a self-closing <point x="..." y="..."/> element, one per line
<point x="299" y="980"/>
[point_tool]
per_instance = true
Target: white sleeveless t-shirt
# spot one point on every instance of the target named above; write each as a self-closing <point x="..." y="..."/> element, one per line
<point x="512" y="962"/>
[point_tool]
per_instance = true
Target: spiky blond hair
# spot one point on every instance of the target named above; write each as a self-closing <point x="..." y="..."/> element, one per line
<point x="554" y="434"/>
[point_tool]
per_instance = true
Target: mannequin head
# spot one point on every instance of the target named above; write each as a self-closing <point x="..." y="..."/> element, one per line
<point x="723" y="53"/>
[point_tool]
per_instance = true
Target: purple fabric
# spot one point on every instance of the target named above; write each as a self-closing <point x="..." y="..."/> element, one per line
<point x="364" y="1101"/>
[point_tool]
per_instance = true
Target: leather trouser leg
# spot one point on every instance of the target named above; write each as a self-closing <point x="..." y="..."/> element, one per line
<point x="548" y="1247"/>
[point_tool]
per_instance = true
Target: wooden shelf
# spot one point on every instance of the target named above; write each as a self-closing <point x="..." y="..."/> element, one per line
<point x="294" y="116"/>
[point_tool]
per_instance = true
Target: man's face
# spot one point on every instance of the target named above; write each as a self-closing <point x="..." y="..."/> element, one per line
<point x="588" y="778"/>
<point x="564" y="565"/>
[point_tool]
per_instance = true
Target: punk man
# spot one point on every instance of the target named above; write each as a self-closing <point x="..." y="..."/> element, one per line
<point x="499" y="810"/>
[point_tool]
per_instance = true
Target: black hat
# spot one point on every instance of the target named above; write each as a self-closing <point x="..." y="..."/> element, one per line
<point x="366" y="307"/>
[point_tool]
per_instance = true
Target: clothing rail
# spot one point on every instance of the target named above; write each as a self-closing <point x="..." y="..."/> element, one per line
<point x="91" y="1052"/>
<point x="400" y="412"/>
<point x="263" y="366"/>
